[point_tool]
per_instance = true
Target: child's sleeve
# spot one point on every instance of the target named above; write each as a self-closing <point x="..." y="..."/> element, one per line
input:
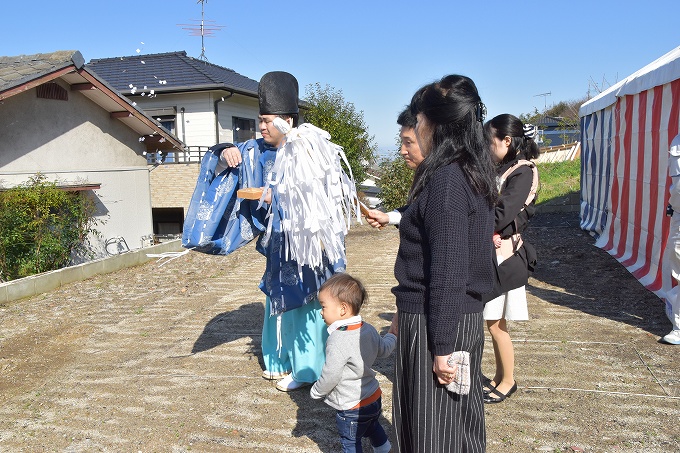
<point x="331" y="373"/>
<point x="387" y="345"/>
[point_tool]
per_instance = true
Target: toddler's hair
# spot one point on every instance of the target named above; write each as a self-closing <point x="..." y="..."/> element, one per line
<point x="346" y="289"/>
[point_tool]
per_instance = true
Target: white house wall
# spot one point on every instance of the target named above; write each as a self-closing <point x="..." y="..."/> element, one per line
<point x="196" y="127"/>
<point x="63" y="135"/>
<point x="126" y="196"/>
<point x="78" y="141"/>
<point x="240" y="106"/>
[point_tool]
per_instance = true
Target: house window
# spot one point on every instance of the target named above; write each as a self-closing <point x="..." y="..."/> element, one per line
<point x="164" y="115"/>
<point x="167" y="122"/>
<point x="244" y="129"/>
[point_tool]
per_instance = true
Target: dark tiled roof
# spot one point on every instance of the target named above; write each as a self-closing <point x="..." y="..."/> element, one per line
<point x="169" y="72"/>
<point x="15" y="71"/>
<point x="554" y="121"/>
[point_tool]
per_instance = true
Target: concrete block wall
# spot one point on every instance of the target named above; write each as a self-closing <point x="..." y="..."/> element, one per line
<point x="47" y="281"/>
<point x="173" y="184"/>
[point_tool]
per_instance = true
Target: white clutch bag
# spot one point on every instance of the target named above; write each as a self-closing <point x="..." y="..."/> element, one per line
<point x="461" y="382"/>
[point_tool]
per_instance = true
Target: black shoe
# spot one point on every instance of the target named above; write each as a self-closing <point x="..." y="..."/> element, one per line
<point x="489" y="398"/>
<point x="487" y="387"/>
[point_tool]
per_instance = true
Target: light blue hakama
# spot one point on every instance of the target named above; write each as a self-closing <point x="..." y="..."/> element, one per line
<point x="302" y="346"/>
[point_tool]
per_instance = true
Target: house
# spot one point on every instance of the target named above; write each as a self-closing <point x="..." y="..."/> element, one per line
<point x="557" y="131"/>
<point x="626" y="133"/>
<point x="59" y="118"/>
<point x="200" y="102"/>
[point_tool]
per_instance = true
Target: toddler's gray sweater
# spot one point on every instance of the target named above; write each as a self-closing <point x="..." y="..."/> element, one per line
<point x="347" y="377"/>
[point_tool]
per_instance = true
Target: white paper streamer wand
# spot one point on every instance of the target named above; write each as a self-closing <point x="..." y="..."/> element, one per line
<point x="317" y="199"/>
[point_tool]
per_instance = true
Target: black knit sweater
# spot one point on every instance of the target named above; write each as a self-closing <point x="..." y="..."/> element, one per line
<point x="444" y="261"/>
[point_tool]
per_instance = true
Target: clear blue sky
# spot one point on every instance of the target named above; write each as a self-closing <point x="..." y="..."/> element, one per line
<point x="377" y="52"/>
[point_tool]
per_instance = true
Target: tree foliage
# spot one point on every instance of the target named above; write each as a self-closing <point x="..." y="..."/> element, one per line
<point x="395" y="182"/>
<point x="532" y="117"/>
<point x="568" y="110"/>
<point x="42" y="227"/>
<point x="566" y="113"/>
<point x="329" y="111"/>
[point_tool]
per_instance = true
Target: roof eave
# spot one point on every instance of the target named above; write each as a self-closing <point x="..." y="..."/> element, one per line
<point x="76" y="61"/>
<point x="76" y="65"/>
<point x="126" y="105"/>
<point x="197" y="88"/>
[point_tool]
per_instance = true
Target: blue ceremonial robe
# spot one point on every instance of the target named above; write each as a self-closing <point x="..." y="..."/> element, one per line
<point x="217" y="222"/>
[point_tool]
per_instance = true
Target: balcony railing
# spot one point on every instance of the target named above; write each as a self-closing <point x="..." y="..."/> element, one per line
<point x="192" y="155"/>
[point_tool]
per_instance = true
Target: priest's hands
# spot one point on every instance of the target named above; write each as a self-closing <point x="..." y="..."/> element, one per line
<point x="231" y="157"/>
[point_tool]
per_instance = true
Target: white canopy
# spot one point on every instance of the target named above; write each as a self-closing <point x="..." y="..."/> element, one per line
<point x="662" y="70"/>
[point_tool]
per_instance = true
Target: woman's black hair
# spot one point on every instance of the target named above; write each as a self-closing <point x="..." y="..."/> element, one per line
<point x="507" y="125"/>
<point x="455" y="110"/>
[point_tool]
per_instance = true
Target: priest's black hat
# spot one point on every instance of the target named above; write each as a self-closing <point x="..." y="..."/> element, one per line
<point x="278" y="94"/>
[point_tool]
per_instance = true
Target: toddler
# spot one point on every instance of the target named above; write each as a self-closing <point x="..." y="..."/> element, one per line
<point x="347" y="381"/>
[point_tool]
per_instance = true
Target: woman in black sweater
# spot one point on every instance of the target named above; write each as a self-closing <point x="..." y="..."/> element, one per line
<point x="443" y="267"/>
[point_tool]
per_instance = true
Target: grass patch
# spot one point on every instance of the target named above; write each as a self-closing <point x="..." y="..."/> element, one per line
<point x="558" y="179"/>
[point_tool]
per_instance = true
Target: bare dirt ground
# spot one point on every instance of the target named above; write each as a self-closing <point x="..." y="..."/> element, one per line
<point x="165" y="358"/>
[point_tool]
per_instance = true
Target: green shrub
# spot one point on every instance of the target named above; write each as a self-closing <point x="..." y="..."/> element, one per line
<point x="395" y="182"/>
<point x="555" y="180"/>
<point x="42" y="227"/>
<point x="328" y="110"/>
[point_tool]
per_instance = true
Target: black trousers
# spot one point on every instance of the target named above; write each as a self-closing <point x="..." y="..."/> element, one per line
<point x="428" y="418"/>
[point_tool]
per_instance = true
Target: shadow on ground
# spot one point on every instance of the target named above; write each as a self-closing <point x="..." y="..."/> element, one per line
<point x="316" y="421"/>
<point x="589" y="279"/>
<point x="226" y="326"/>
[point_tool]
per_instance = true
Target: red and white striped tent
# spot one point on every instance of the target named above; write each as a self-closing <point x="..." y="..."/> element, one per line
<point x="625" y="135"/>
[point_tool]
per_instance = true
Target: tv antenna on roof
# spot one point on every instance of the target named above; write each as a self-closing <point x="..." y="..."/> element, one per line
<point x="545" y="102"/>
<point x="202" y="29"/>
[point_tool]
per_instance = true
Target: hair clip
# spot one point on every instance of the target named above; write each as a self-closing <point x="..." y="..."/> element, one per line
<point x="481" y="111"/>
<point x="529" y="131"/>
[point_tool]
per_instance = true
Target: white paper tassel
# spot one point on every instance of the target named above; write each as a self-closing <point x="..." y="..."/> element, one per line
<point x="317" y="199"/>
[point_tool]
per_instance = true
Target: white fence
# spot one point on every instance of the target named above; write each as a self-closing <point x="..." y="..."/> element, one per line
<point x="562" y="153"/>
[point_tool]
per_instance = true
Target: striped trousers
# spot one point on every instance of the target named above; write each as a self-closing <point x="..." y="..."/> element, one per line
<point x="428" y="418"/>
